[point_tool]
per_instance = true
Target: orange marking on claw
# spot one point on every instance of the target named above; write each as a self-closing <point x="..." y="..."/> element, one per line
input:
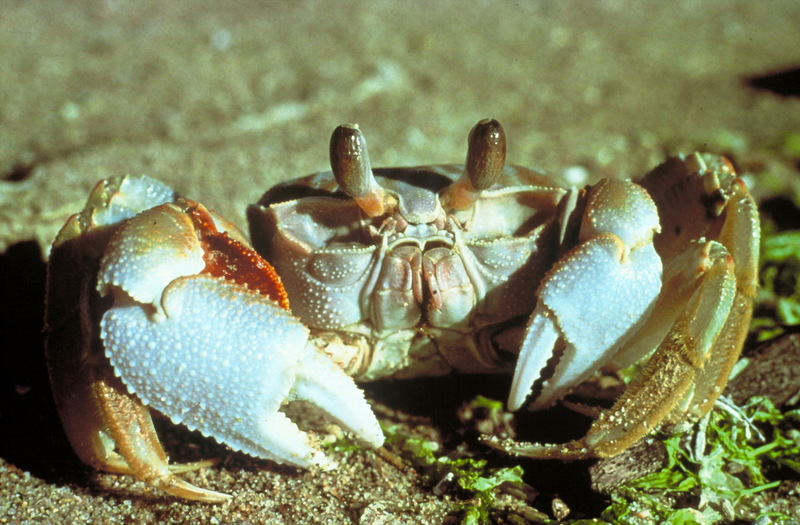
<point x="230" y="259"/>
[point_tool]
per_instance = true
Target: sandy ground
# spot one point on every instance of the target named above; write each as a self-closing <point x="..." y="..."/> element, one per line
<point x="221" y="100"/>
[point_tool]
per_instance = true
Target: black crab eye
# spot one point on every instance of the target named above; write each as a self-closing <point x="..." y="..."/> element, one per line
<point x="351" y="167"/>
<point x="486" y="157"/>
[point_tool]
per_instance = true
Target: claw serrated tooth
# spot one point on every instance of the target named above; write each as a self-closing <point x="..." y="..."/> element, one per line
<point x="540" y="339"/>
<point x="323" y="383"/>
<point x="287" y="444"/>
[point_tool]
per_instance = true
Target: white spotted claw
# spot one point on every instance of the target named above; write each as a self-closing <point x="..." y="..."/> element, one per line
<point x="595" y="298"/>
<point x="220" y="358"/>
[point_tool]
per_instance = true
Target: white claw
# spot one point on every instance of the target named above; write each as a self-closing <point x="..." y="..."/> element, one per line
<point x="595" y="298"/>
<point x="223" y="360"/>
<point x="323" y="383"/>
<point x="540" y="339"/>
<point x="593" y="302"/>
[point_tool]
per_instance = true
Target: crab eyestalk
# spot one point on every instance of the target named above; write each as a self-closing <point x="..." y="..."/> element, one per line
<point x="351" y="167"/>
<point x="486" y="156"/>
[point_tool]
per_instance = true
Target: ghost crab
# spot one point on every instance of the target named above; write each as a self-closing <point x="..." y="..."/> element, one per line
<point x="155" y="301"/>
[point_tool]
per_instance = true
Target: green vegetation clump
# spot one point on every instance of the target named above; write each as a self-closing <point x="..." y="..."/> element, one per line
<point x="480" y="493"/>
<point x="477" y="484"/>
<point x="721" y="480"/>
<point x="779" y="296"/>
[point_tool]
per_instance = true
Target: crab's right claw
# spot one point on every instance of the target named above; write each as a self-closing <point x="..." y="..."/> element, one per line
<point x="185" y="334"/>
<point x="211" y="353"/>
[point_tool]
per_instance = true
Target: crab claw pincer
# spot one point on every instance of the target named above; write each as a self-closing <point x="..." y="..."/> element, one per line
<point x="594" y="298"/>
<point x="192" y="340"/>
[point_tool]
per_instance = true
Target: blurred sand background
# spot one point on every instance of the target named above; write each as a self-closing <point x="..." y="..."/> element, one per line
<point x="223" y="99"/>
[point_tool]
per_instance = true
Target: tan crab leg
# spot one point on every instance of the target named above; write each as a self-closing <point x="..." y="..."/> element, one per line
<point x="725" y="211"/>
<point x="112" y="431"/>
<point x="130" y="426"/>
<point x="741" y="226"/>
<point x="351" y="167"/>
<point x="486" y="157"/>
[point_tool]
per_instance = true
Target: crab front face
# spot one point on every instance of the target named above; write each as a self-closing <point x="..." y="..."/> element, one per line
<point x="416" y="290"/>
<point x="395" y="273"/>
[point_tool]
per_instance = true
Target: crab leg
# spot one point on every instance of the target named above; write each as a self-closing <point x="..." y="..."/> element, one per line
<point x="735" y="209"/>
<point x="130" y="427"/>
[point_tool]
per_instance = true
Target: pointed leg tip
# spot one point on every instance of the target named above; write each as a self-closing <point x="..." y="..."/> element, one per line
<point x="514" y="403"/>
<point x="183" y="489"/>
<point x="211" y="496"/>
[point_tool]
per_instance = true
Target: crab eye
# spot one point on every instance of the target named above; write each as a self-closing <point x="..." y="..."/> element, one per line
<point x="486" y="156"/>
<point x="351" y="167"/>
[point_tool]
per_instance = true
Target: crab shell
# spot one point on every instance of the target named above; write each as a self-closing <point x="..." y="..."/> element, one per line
<point x="404" y="272"/>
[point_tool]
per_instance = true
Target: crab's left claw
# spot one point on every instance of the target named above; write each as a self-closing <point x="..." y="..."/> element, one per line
<point x="696" y="327"/>
<point x="223" y="360"/>
<point x="595" y="297"/>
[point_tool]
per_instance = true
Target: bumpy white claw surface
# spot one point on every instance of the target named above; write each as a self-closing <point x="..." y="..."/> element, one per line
<point x="594" y="298"/>
<point x="223" y="360"/>
<point x="148" y="252"/>
<point x="321" y="381"/>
